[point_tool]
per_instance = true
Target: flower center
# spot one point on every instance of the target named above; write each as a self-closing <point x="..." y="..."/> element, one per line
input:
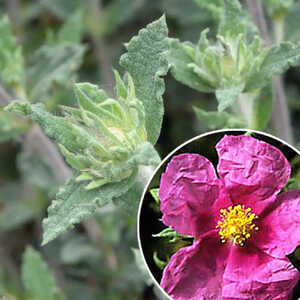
<point x="236" y="224"/>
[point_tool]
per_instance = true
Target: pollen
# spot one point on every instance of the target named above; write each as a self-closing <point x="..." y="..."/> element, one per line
<point x="236" y="224"/>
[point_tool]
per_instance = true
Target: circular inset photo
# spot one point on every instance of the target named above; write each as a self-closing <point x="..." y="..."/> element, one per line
<point x="220" y="218"/>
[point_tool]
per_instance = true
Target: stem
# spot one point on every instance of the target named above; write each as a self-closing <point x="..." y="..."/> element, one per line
<point x="244" y="107"/>
<point x="278" y="30"/>
<point x="258" y="16"/>
<point x="280" y="118"/>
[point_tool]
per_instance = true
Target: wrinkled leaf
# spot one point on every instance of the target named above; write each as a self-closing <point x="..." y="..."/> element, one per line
<point x="74" y="203"/>
<point x="55" y="127"/>
<point x="277" y="61"/>
<point x="38" y="279"/>
<point x="130" y="200"/>
<point x="146" y="62"/>
<point x="227" y="96"/>
<point x="214" y="6"/>
<point x="232" y="21"/>
<point x="146" y="155"/>
<point x="218" y="120"/>
<point x="179" y="60"/>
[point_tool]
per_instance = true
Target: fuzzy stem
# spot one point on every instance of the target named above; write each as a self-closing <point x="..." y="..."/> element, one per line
<point x="280" y="118"/>
<point x="244" y="106"/>
<point x="278" y="30"/>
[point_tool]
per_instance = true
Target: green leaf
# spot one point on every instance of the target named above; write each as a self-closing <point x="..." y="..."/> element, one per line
<point x="218" y="120"/>
<point x="172" y="235"/>
<point x="72" y="29"/>
<point x="262" y="108"/>
<point x="227" y="96"/>
<point x="11" y="58"/>
<point x="233" y="19"/>
<point x="213" y="6"/>
<point x="146" y="62"/>
<point x="74" y="203"/>
<point x="154" y="194"/>
<point x="58" y="128"/>
<point x="38" y="279"/>
<point x="179" y="61"/>
<point x="277" y="61"/>
<point x="146" y="155"/>
<point x="62" y="63"/>
<point x="130" y="200"/>
<point x="158" y="262"/>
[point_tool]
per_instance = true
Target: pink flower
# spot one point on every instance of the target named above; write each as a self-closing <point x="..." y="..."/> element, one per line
<point x="243" y="227"/>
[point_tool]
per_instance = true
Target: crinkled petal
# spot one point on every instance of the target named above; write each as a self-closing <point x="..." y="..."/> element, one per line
<point x="253" y="171"/>
<point x="195" y="272"/>
<point x="191" y="195"/>
<point x="251" y="274"/>
<point x="279" y="229"/>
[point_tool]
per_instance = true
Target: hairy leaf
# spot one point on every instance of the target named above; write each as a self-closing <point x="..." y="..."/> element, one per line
<point x="130" y="200"/>
<point x="277" y="61"/>
<point x="11" y="58"/>
<point x="74" y="203"/>
<point x="214" y="6"/>
<point x="146" y="155"/>
<point x="146" y="62"/>
<point x="218" y="120"/>
<point x="227" y="96"/>
<point x="55" y="127"/>
<point x="233" y="19"/>
<point x="179" y="61"/>
<point x="38" y="279"/>
<point x="62" y="63"/>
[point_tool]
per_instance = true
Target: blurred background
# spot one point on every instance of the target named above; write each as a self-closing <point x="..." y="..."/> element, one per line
<point x="66" y="41"/>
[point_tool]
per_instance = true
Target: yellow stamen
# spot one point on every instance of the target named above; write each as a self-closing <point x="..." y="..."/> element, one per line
<point x="236" y="224"/>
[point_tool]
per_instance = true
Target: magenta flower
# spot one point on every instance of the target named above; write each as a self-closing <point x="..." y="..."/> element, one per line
<point x="243" y="227"/>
